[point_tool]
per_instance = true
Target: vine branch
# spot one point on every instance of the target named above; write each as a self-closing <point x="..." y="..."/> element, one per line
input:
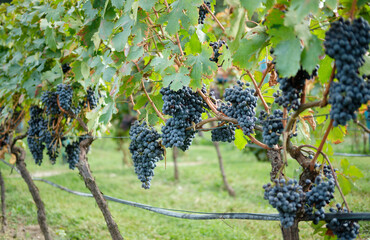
<point x="324" y="101"/>
<point x="151" y="102"/>
<point x="213" y="16"/>
<point x="313" y="161"/>
<point x="362" y="126"/>
<point x="258" y="91"/>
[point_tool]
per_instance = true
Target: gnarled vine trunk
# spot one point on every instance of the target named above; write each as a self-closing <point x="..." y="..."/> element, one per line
<point x="84" y="168"/>
<point x="277" y="163"/>
<point x="20" y="154"/>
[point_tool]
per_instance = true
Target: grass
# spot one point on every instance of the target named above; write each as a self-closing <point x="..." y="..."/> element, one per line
<point x="200" y="189"/>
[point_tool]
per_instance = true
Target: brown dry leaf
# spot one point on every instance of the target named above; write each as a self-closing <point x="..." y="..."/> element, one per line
<point x="310" y="119"/>
<point x="273" y="79"/>
<point x="12" y="159"/>
<point x="305" y="128"/>
<point x="3" y="151"/>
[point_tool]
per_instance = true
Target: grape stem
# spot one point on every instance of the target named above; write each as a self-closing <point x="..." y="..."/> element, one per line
<point x="324" y="101"/>
<point x="270" y="66"/>
<point x="151" y="102"/>
<point x="353" y="8"/>
<point x="214" y="17"/>
<point x="332" y="171"/>
<point x="313" y="161"/>
<point x="258" y="91"/>
<point x="220" y="116"/>
<point x="133" y="104"/>
<point x="177" y="34"/>
<point x="362" y="126"/>
<point x="70" y="114"/>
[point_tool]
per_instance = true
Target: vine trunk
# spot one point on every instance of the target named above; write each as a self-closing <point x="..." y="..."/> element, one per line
<point x="84" y="168"/>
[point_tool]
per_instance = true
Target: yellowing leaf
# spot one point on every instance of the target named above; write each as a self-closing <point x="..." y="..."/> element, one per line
<point x="13" y="159"/>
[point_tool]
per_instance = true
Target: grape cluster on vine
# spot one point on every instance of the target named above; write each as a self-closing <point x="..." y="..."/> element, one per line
<point x="347" y="43"/>
<point x="91" y="99"/>
<point x="203" y="12"/>
<point x="241" y="104"/>
<point x="292" y="88"/>
<point x="37" y="128"/>
<point x="320" y="194"/>
<point x="272" y="127"/>
<point x="343" y="229"/>
<point x="66" y="67"/>
<point x="73" y="154"/>
<point x="146" y="151"/>
<point x="216" y="49"/>
<point x="286" y="197"/>
<point x="65" y="94"/>
<point x="186" y="108"/>
<point x="226" y="133"/>
<point x="50" y="101"/>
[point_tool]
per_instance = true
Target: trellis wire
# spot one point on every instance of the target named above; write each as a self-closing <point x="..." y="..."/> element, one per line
<point x="193" y="215"/>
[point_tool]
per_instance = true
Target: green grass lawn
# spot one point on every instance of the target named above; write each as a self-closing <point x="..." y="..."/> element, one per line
<point x="200" y="189"/>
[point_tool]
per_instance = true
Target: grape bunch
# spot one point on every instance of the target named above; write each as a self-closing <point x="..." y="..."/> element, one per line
<point x="320" y="194"/>
<point x="91" y="99"/>
<point x="186" y="108"/>
<point x="65" y="94"/>
<point x="4" y="138"/>
<point x="292" y="88"/>
<point x="216" y="48"/>
<point x="225" y="133"/>
<point x="272" y="127"/>
<point x="347" y="43"/>
<point x="343" y="229"/>
<point x="286" y="197"/>
<point x="203" y="12"/>
<point x="37" y="127"/>
<point x="241" y="104"/>
<point x="73" y="153"/>
<point x="146" y="151"/>
<point x="50" y="101"/>
<point x="66" y="67"/>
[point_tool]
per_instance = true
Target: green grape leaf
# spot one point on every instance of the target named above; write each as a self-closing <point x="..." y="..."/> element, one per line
<point x="337" y="134"/>
<point x="287" y="57"/>
<point x="140" y="101"/>
<point x="105" y="29"/>
<point x="50" y="39"/>
<point x="344" y="184"/>
<point x="251" y="6"/>
<point x="147" y="4"/>
<point x="184" y="10"/>
<point x="332" y="4"/>
<point x="240" y="140"/>
<point x="344" y="164"/>
<point x="247" y="54"/>
<point x="201" y="65"/>
<point x="160" y="63"/>
<point x="118" y="3"/>
<point x="311" y="53"/>
<point x="365" y="69"/>
<point x="193" y="46"/>
<point x="178" y="80"/>
<point x="107" y="112"/>
<point x="109" y="73"/>
<point x="85" y="70"/>
<point x="325" y="69"/>
<point x="120" y="39"/>
<point x="299" y="9"/>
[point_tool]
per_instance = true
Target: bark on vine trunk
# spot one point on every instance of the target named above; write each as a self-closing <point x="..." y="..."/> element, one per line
<point x="84" y="169"/>
<point x="291" y="233"/>
<point x="3" y="216"/>
<point x="176" y="169"/>
<point x="41" y="214"/>
<point x="229" y="189"/>
<point x="277" y="163"/>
